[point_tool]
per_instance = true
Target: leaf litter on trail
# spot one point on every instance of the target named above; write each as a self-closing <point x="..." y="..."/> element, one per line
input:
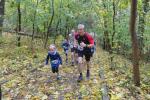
<point x="35" y="85"/>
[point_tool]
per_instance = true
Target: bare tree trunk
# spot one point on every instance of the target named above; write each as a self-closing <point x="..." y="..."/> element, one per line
<point x="56" y="30"/>
<point x="50" y="23"/>
<point x="136" y="73"/>
<point x="112" y="38"/>
<point x="0" y="93"/>
<point x="107" y="45"/>
<point x="106" y="40"/>
<point x="34" y="20"/>
<point x="60" y="29"/>
<point x="114" y="28"/>
<point x="33" y="27"/>
<point x="19" y="24"/>
<point x="2" y="9"/>
<point x="44" y="33"/>
<point x="66" y="27"/>
<point x="59" y="20"/>
<point x="45" y="27"/>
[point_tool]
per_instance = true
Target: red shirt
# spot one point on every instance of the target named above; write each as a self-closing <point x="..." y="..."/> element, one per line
<point x="86" y="38"/>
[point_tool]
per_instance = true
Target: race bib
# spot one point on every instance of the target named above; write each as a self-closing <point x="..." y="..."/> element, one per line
<point x="55" y="62"/>
<point x="71" y="46"/>
<point x="66" y="51"/>
<point x="80" y="48"/>
<point x="92" y="49"/>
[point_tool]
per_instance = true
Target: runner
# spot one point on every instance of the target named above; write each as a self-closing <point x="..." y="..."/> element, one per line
<point x="55" y="60"/>
<point x="85" y="43"/>
<point x="73" y="47"/>
<point x="93" y="49"/>
<point x="65" y="46"/>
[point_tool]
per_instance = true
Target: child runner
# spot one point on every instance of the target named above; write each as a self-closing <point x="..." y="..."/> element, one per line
<point x="65" y="46"/>
<point x="55" y="60"/>
<point x="72" y="47"/>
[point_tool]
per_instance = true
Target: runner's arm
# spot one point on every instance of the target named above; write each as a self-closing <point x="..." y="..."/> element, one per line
<point x="47" y="58"/>
<point x="60" y="59"/>
<point x="91" y="40"/>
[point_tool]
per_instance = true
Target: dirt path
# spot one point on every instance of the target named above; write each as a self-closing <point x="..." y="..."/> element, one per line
<point x="39" y="83"/>
<point x="42" y="84"/>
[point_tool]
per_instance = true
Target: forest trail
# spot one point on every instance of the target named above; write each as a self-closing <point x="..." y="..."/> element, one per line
<point x="28" y="27"/>
<point x="41" y="83"/>
<point x="32" y="80"/>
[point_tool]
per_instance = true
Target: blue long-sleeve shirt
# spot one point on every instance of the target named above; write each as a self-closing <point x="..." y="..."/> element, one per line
<point x="65" y="45"/>
<point x="53" y="57"/>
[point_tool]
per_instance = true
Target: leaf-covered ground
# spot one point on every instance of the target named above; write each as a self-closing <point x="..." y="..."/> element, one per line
<point x="24" y="77"/>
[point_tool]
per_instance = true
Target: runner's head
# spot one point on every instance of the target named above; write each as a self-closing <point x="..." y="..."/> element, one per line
<point x="72" y="31"/>
<point x="52" y="48"/>
<point x="81" y="29"/>
<point x="67" y="38"/>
